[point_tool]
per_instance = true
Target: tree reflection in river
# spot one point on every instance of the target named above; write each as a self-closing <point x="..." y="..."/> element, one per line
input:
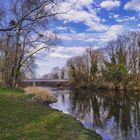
<point x="115" y="115"/>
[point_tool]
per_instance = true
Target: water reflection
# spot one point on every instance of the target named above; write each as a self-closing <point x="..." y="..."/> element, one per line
<point x="115" y="116"/>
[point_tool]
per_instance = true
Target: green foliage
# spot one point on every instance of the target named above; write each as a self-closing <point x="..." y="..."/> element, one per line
<point x="93" y="68"/>
<point x="113" y="60"/>
<point x="116" y="73"/>
<point x="116" y="70"/>
<point x="121" y="55"/>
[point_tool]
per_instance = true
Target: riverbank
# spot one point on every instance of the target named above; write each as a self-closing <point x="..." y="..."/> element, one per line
<point x="132" y="86"/>
<point x="20" y="119"/>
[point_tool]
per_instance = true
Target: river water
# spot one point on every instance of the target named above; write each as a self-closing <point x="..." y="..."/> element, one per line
<point x="113" y="115"/>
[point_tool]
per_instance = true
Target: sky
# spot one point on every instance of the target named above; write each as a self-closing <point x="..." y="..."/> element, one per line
<point x="88" y="22"/>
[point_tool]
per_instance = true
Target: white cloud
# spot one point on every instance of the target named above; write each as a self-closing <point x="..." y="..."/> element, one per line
<point x="58" y="55"/>
<point x="104" y="36"/>
<point x="74" y="36"/>
<point x="108" y="35"/>
<point x="66" y="29"/>
<point x="66" y="52"/>
<point x="115" y="16"/>
<point x="133" y="5"/>
<point x="62" y="28"/>
<point x="109" y="4"/>
<point x="126" y="19"/>
<point x="112" y="33"/>
<point x="76" y="13"/>
<point x="85" y="2"/>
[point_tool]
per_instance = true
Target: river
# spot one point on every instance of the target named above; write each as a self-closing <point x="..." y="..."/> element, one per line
<point x="113" y="115"/>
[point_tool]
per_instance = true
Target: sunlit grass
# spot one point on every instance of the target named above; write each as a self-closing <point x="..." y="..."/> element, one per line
<point x="21" y="120"/>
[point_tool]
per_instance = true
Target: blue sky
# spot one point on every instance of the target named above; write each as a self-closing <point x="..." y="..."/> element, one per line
<point x="88" y="21"/>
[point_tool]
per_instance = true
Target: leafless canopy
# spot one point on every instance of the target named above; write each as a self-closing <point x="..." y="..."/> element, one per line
<point x="26" y="12"/>
<point x="24" y="32"/>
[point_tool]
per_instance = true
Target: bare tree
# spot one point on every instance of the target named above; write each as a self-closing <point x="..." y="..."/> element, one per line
<point x="27" y="12"/>
<point x="27" y="32"/>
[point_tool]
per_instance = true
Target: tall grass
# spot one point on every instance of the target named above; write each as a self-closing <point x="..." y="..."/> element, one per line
<point x="41" y="95"/>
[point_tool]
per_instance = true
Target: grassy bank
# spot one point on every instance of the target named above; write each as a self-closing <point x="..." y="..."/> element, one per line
<point x="23" y="120"/>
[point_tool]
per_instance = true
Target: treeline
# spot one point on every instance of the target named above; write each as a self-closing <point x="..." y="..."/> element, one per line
<point x="115" y="66"/>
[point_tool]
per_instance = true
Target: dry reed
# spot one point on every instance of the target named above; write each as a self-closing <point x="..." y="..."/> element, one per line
<point x="40" y="94"/>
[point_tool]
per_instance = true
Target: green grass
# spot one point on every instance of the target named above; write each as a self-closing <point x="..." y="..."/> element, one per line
<point x="21" y="120"/>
